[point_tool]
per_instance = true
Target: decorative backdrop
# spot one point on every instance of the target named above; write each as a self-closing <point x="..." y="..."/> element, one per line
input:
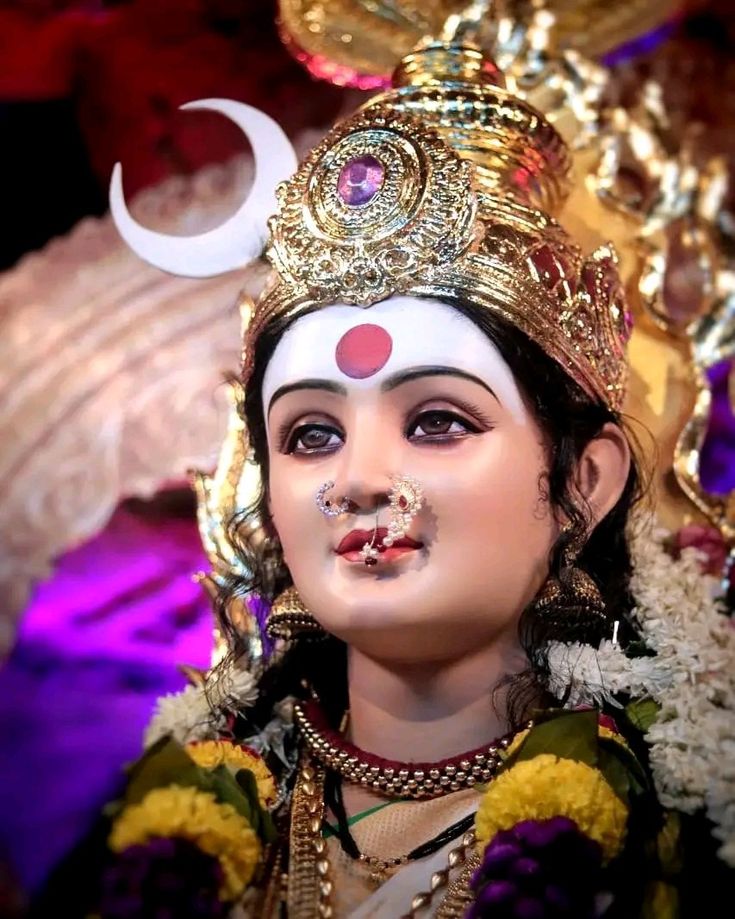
<point x="111" y="374"/>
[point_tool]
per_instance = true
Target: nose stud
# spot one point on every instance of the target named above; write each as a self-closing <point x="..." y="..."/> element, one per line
<point x="406" y="499"/>
<point x="327" y="506"/>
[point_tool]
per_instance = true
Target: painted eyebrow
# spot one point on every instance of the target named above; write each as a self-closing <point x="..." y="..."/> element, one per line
<point x="327" y="385"/>
<point x="405" y="376"/>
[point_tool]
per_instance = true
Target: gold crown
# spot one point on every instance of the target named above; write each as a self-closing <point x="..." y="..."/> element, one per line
<point x="444" y="187"/>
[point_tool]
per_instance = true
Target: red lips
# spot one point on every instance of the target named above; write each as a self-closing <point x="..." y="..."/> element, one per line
<point x="356" y="539"/>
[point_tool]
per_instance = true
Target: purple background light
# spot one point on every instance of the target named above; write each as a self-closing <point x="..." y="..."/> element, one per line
<point x="642" y="45"/>
<point x="99" y="642"/>
<point x="718" y="450"/>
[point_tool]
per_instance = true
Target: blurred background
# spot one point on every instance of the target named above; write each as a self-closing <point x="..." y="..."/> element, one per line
<point x="111" y="374"/>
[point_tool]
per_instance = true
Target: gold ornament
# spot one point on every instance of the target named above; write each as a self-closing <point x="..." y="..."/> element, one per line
<point x="406" y="499"/>
<point x="443" y="187"/>
<point x="289" y="619"/>
<point x="573" y="595"/>
<point x="310" y="887"/>
<point x="405" y="783"/>
<point x="358" y="42"/>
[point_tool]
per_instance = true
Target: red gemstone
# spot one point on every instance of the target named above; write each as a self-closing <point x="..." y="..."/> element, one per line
<point x="589" y="280"/>
<point x="547" y="266"/>
<point x="360" y="180"/>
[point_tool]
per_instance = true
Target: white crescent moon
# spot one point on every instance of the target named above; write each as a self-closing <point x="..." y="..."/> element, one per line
<point x="240" y="239"/>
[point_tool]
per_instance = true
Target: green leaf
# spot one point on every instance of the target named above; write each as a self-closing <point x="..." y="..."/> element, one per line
<point x="248" y="784"/>
<point x="268" y="832"/>
<point x="262" y="822"/>
<point x="165" y="763"/>
<point x="642" y="713"/>
<point x="639" y="782"/>
<point x="221" y="782"/>
<point x="616" y="775"/>
<point x="569" y="735"/>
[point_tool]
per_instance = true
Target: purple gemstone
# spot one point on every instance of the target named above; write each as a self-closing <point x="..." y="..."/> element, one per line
<point x="360" y="180"/>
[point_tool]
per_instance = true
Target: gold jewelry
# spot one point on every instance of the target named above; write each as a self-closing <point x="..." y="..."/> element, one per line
<point x="309" y="885"/>
<point x="444" y="187"/>
<point x="326" y="506"/>
<point x="289" y="619"/>
<point x="406" y="499"/>
<point x="395" y="780"/>
<point x="459" y="894"/>
<point x="573" y="599"/>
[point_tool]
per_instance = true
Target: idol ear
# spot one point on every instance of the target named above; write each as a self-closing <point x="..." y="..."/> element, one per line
<point x="603" y="471"/>
<point x="240" y="239"/>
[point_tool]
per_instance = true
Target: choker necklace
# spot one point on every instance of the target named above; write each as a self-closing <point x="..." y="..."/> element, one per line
<point x="380" y="868"/>
<point x="390" y="778"/>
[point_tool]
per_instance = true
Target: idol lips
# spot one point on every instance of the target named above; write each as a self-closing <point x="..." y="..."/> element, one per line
<point x="350" y="547"/>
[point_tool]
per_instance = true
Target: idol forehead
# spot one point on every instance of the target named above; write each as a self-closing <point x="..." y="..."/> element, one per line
<point x="360" y="348"/>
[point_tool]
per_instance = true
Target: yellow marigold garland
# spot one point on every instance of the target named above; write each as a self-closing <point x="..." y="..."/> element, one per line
<point x="211" y="753"/>
<point x="217" y="829"/>
<point x="548" y="786"/>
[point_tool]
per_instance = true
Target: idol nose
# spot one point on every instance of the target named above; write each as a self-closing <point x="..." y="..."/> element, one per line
<point x="367" y="463"/>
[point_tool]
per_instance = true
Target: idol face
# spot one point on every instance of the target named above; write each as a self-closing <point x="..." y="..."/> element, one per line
<point x="357" y="396"/>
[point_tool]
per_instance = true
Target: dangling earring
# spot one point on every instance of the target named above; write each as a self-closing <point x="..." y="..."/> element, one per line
<point x="406" y="498"/>
<point x="325" y="504"/>
<point x="289" y="619"/>
<point x="572" y="603"/>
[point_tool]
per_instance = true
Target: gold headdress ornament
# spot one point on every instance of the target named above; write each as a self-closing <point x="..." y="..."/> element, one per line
<point x="445" y="187"/>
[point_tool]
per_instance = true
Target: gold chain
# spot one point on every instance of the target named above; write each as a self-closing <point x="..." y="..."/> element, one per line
<point x="310" y="887"/>
<point x="458" y="895"/>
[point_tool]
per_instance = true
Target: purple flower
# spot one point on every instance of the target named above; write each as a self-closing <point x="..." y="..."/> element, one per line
<point x="165" y="879"/>
<point x="539" y="869"/>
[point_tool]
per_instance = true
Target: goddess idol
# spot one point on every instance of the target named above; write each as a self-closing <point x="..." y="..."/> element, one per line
<point x="453" y="680"/>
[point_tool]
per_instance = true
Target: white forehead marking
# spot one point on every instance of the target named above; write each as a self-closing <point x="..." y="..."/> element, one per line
<point x="424" y="333"/>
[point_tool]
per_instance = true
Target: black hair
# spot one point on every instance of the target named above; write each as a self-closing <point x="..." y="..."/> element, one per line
<point x="569" y="419"/>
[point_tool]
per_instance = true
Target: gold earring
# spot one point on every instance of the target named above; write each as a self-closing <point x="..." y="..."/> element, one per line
<point x="573" y="602"/>
<point x="290" y="620"/>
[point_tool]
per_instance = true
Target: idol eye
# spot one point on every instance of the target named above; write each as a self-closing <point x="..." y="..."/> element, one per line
<point x="313" y="438"/>
<point x="440" y="425"/>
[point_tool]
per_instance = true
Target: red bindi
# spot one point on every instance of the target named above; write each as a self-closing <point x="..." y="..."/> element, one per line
<point x="363" y="351"/>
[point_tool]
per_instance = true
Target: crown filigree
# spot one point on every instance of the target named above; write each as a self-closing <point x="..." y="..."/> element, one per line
<point x="378" y="203"/>
<point x="386" y="205"/>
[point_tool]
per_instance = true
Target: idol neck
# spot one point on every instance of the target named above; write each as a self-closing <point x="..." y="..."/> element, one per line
<point x="430" y="712"/>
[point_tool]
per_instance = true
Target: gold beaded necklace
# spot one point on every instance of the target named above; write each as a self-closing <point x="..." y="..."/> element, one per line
<point x="310" y="887"/>
<point x="395" y="780"/>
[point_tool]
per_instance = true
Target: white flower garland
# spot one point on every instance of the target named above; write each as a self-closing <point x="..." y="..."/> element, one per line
<point x="200" y="712"/>
<point x="691" y="677"/>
